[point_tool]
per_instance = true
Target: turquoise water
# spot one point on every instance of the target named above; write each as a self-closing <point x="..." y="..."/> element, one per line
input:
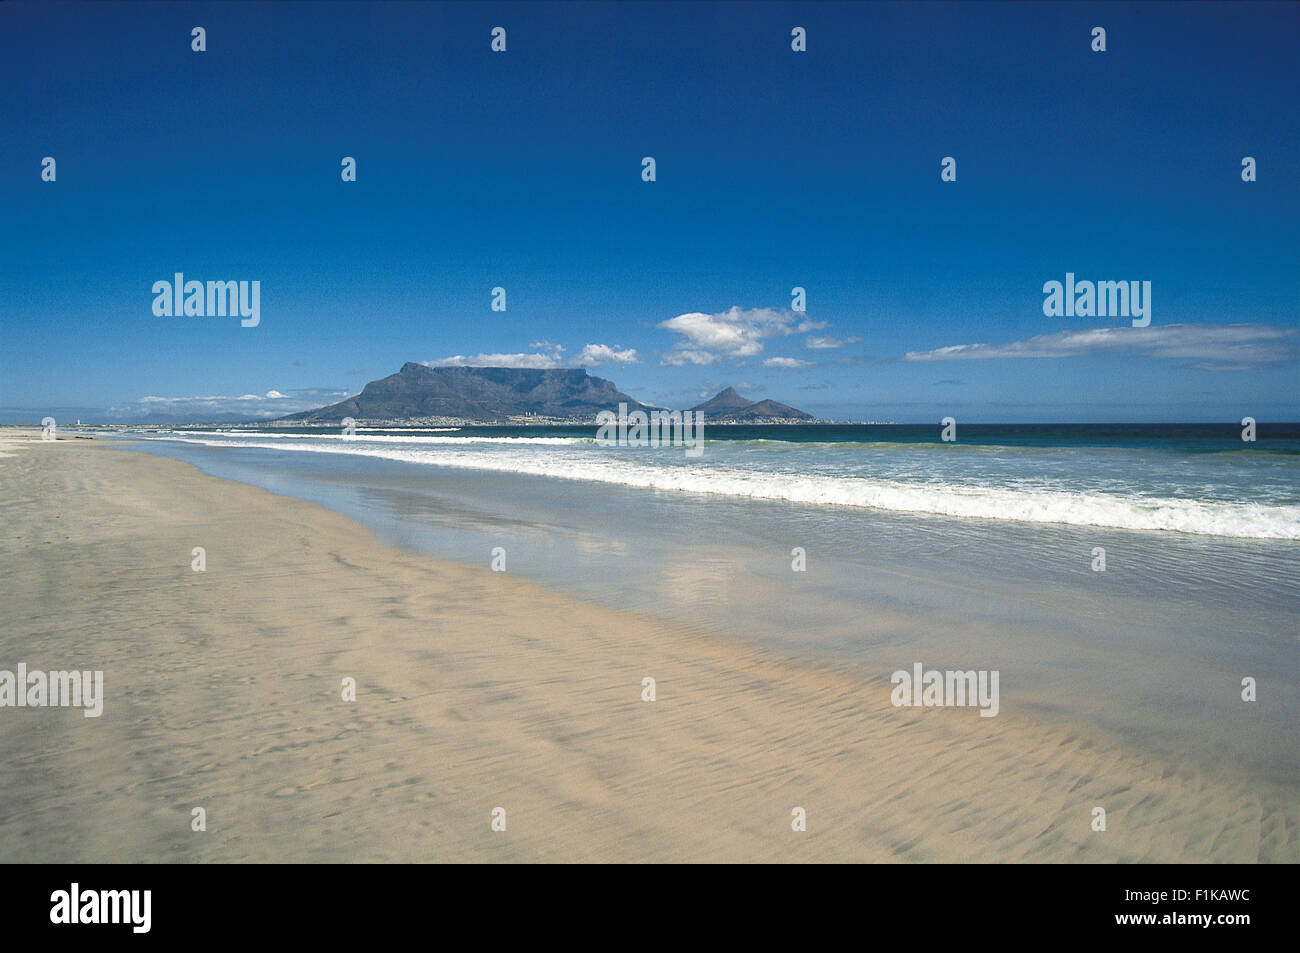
<point x="1195" y="479"/>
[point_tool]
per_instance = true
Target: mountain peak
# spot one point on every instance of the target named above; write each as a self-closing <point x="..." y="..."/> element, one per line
<point x="726" y="399"/>
<point x="729" y="405"/>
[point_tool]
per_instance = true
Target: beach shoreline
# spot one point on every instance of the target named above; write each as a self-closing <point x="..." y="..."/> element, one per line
<point x="477" y="690"/>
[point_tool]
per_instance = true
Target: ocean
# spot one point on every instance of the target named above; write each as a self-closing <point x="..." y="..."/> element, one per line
<point x="1190" y="478"/>
<point x="982" y="553"/>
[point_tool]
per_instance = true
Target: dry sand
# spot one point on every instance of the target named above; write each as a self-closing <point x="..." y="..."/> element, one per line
<point x="477" y="690"/>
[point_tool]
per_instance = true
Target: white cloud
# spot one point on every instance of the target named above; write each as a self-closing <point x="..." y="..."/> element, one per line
<point x="736" y="332"/>
<point x="1224" y="346"/>
<point x="819" y="344"/>
<point x="785" y="362"/>
<point x="251" y="406"/>
<point x="687" y="356"/>
<point x="547" y="355"/>
<point x="177" y="401"/>
<point x="542" y="361"/>
<point x="593" y="355"/>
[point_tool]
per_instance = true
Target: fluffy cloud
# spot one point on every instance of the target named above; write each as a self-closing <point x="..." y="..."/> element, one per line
<point x="593" y="355"/>
<point x="785" y="362"/>
<point x="1217" y="346"/>
<point x="736" y="332"/>
<point x="687" y="356"/>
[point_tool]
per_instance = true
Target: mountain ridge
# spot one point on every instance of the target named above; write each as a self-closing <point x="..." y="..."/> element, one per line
<point x="418" y="392"/>
<point x="480" y="394"/>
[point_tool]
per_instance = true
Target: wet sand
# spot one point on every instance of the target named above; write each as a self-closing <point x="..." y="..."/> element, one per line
<point x="478" y="690"/>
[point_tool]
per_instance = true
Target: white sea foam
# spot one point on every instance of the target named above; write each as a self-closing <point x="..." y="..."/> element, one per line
<point x="937" y="497"/>
<point x="398" y="439"/>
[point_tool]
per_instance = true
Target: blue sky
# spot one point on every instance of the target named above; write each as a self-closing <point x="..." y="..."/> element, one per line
<point x="775" y="169"/>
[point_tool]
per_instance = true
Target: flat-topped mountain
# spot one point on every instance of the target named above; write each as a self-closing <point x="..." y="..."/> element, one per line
<point x="478" y="394"/>
<point x="419" y="393"/>
<point x="727" y="406"/>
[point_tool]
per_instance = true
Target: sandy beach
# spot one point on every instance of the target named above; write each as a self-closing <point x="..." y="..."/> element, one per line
<point x="477" y="690"/>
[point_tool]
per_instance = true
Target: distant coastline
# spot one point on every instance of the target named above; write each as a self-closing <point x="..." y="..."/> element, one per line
<point x="424" y="423"/>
